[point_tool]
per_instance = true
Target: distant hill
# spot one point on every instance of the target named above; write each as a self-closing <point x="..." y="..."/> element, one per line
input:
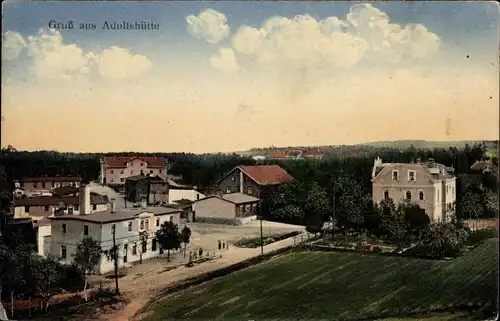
<point x="420" y="143"/>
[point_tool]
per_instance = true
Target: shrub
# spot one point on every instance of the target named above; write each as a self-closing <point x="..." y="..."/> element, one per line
<point x="377" y="249"/>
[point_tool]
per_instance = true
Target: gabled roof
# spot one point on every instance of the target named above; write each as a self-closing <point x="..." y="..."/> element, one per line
<point x="121" y="161"/>
<point x="64" y="190"/>
<point x="267" y="174"/>
<point x="235" y="198"/>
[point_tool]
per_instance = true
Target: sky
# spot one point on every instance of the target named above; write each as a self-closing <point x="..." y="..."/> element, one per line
<point x="230" y="76"/>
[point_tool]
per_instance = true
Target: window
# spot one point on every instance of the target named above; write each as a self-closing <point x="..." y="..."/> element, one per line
<point x="249" y="191"/>
<point x="77" y="207"/>
<point x="151" y="172"/>
<point x="242" y="208"/>
<point x="197" y="196"/>
<point x="248" y="208"/>
<point x="125" y="252"/>
<point x="386" y="194"/>
<point x="228" y="190"/>
<point x="408" y="195"/>
<point x="122" y="179"/>
<point x="94" y="207"/>
<point x="63" y="228"/>
<point x="27" y="209"/>
<point x="146" y="223"/>
<point x="131" y="172"/>
<point x="144" y="246"/>
<point x="421" y="195"/>
<point x="63" y="251"/>
<point x="161" y="171"/>
<point x="153" y="246"/>
<point x="157" y="222"/>
<point x="142" y="164"/>
<point x="46" y="208"/>
<point x="142" y="224"/>
<point x="171" y="218"/>
<point x="134" y="249"/>
<point x="142" y="172"/>
<point x="111" y="180"/>
<point x="121" y="172"/>
<point x="34" y="185"/>
<point x="86" y="230"/>
<point x="129" y="226"/>
<point x="70" y="210"/>
<point x="111" y="171"/>
<point x="411" y="176"/>
<point x="232" y="179"/>
<point x="395" y="175"/>
<point x="53" y="184"/>
<point x="43" y="185"/>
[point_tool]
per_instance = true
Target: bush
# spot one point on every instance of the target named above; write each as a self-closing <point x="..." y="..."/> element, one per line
<point x="478" y="236"/>
<point x="377" y="249"/>
<point x="71" y="279"/>
<point x="217" y="220"/>
<point x="254" y="242"/>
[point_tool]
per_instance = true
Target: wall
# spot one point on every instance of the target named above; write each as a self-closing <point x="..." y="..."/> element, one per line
<point x="30" y="186"/>
<point x="130" y="238"/>
<point x="244" y="210"/>
<point x="73" y="235"/>
<point x="214" y="207"/>
<point x="397" y="189"/>
<point x="189" y="194"/>
<point x="133" y="168"/>
<point x="43" y="240"/>
<point x="232" y="182"/>
<point x="37" y="212"/>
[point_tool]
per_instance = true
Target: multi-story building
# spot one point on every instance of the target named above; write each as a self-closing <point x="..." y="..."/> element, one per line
<point x="133" y="228"/>
<point x="116" y="169"/>
<point x="430" y="185"/>
<point x="40" y="185"/>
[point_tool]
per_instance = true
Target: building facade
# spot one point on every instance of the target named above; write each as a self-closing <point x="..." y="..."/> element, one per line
<point x="134" y="233"/>
<point x="235" y="206"/>
<point x="430" y="185"/>
<point x="116" y="169"/>
<point x="46" y="184"/>
<point x="259" y="181"/>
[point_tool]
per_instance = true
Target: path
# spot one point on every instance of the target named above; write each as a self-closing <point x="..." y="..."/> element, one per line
<point x="143" y="289"/>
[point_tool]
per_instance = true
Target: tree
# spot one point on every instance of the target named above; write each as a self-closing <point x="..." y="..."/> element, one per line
<point x="392" y="222"/>
<point x="442" y="239"/>
<point x="5" y="199"/>
<point x="87" y="258"/>
<point x="46" y="276"/>
<point x="185" y="237"/>
<point x="168" y="237"/>
<point x="470" y="206"/>
<point x="316" y="208"/>
<point x="415" y="217"/>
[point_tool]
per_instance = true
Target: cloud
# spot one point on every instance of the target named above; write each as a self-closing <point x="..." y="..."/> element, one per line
<point x="225" y="61"/>
<point x="120" y="63"/>
<point x="304" y="42"/>
<point x="210" y="26"/>
<point x="51" y="58"/>
<point x="12" y="45"/>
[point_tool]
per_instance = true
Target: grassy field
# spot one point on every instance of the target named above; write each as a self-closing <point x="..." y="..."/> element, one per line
<point x="320" y="285"/>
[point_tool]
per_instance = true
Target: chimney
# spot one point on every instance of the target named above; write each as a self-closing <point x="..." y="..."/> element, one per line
<point x="84" y="199"/>
<point x="241" y="181"/>
<point x="113" y="205"/>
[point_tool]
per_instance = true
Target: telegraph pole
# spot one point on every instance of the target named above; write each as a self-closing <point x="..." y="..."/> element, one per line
<point x="115" y="259"/>
<point x="261" y="238"/>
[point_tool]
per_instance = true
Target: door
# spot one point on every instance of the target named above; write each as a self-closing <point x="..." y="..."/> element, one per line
<point x="125" y="252"/>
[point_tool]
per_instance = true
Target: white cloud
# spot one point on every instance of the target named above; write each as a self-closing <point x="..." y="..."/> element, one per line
<point x="225" y="61"/>
<point x="51" y="58"/>
<point x="120" y="63"/>
<point x="12" y="45"/>
<point x="210" y="26"/>
<point x="302" y="41"/>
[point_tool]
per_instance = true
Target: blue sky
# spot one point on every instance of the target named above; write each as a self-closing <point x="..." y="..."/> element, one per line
<point x="178" y="74"/>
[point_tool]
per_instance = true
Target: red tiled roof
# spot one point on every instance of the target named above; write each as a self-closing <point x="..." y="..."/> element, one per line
<point x="267" y="174"/>
<point x="278" y="155"/>
<point x="121" y="161"/>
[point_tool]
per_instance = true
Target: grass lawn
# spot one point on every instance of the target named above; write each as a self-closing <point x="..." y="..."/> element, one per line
<point x="329" y="285"/>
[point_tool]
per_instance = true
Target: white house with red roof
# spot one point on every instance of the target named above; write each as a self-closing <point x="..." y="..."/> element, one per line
<point x="116" y="169"/>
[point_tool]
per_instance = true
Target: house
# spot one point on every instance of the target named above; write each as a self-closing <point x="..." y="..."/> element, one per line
<point x="116" y="169"/>
<point x="258" y="180"/>
<point x="133" y="228"/>
<point x="313" y="153"/>
<point x="153" y="189"/>
<point x="39" y="207"/>
<point x="236" y="207"/>
<point x="45" y="184"/>
<point x="430" y="185"/>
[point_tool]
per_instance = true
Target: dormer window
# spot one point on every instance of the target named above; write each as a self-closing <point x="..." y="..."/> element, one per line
<point x="411" y="176"/>
<point x="395" y="175"/>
